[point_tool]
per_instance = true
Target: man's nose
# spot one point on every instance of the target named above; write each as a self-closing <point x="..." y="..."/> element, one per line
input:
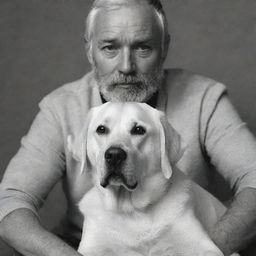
<point x="126" y="62"/>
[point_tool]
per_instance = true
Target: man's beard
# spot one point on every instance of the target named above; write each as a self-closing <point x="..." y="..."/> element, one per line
<point x="132" y="87"/>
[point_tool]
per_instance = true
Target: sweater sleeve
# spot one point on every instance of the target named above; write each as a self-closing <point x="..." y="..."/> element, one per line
<point x="37" y="166"/>
<point x="227" y="141"/>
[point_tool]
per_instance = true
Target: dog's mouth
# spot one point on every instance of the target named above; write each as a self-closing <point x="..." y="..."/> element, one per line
<point x="118" y="179"/>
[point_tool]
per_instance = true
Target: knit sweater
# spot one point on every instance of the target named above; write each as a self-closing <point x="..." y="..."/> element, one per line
<point x="218" y="142"/>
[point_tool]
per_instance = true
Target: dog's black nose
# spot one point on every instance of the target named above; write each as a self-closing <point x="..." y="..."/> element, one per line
<point x="115" y="156"/>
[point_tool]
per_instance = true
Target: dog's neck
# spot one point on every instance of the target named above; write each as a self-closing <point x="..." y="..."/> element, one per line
<point x="145" y="198"/>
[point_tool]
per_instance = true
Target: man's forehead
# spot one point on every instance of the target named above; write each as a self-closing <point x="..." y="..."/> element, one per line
<point x="139" y="34"/>
<point x="137" y="20"/>
<point x="113" y="3"/>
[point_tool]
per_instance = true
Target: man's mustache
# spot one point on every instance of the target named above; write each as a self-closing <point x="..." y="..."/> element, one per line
<point x="118" y="79"/>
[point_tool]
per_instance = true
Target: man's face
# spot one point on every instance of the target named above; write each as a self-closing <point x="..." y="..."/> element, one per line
<point x="126" y="53"/>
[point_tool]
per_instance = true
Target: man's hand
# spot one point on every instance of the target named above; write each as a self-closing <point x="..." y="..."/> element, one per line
<point x="22" y="230"/>
<point x="237" y="228"/>
<point x="215" y="254"/>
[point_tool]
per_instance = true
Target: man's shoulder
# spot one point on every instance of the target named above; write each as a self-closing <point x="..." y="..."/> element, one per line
<point x="190" y="83"/>
<point x="192" y="93"/>
<point x="75" y="88"/>
<point x="72" y="94"/>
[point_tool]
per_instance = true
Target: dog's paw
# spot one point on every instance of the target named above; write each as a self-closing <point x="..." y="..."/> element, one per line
<point x="218" y="254"/>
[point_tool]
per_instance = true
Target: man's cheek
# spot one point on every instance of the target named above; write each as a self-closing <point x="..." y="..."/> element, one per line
<point x="148" y="66"/>
<point x="103" y="65"/>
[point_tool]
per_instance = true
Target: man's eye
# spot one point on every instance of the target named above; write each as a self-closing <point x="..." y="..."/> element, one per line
<point x="109" y="48"/>
<point x="101" y="129"/>
<point x="144" y="50"/>
<point x="143" y="47"/>
<point x="138" y="130"/>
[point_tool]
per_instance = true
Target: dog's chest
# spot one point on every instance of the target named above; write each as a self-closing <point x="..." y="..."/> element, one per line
<point x="139" y="228"/>
<point x="137" y="231"/>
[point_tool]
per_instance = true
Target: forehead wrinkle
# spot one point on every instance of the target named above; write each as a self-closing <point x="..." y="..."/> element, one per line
<point x="117" y="4"/>
<point x="110" y="28"/>
<point x="143" y="35"/>
<point x="136" y="36"/>
<point x="141" y="29"/>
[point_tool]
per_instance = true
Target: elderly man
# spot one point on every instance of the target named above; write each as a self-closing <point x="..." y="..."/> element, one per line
<point x="127" y="42"/>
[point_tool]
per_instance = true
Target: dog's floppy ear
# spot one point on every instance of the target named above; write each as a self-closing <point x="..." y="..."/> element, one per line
<point x="172" y="146"/>
<point x="77" y="145"/>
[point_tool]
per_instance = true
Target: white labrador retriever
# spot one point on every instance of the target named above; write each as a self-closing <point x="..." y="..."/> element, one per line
<point x="141" y="204"/>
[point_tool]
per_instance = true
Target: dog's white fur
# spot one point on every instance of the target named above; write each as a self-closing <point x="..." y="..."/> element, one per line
<point x="167" y="214"/>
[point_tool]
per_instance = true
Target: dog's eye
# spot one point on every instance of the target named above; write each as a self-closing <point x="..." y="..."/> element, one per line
<point x="138" y="130"/>
<point x="101" y="129"/>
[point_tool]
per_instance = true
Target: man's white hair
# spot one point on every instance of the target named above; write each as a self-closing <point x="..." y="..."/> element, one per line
<point x="108" y="4"/>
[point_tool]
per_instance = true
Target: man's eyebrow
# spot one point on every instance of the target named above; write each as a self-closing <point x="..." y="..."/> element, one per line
<point x="138" y="41"/>
<point x="143" y="38"/>
<point x="107" y="41"/>
<point x="143" y="41"/>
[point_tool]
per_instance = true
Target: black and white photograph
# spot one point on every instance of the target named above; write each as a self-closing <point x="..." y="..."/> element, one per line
<point x="128" y="128"/>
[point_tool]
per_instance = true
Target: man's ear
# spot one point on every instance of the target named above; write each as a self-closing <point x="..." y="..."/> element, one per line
<point x="166" y="45"/>
<point x="77" y="145"/>
<point x="88" y="48"/>
<point x="171" y="146"/>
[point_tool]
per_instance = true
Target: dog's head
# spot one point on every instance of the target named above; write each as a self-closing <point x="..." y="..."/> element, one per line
<point x="126" y="145"/>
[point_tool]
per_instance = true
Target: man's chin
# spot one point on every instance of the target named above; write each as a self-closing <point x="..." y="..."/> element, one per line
<point x="123" y="95"/>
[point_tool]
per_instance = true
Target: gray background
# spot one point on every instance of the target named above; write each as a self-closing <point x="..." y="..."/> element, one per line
<point x="41" y="47"/>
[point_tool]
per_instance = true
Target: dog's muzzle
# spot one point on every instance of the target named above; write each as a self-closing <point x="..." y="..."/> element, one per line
<point x="114" y="159"/>
<point x="115" y="156"/>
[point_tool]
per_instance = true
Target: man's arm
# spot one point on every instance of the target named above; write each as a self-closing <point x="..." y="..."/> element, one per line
<point x="32" y="239"/>
<point x="237" y="227"/>
<point x="231" y="149"/>
<point x="32" y="173"/>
